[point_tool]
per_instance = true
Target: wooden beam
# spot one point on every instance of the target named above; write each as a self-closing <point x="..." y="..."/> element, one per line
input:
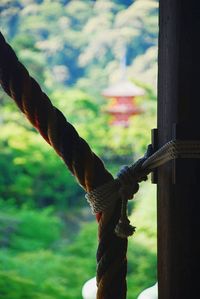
<point x="179" y="182"/>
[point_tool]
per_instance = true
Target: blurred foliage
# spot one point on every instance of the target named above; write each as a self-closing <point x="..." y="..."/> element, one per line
<point x="83" y="41"/>
<point x="36" y="263"/>
<point x="30" y="166"/>
<point x="26" y="163"/>
<point x="74" y="50"/>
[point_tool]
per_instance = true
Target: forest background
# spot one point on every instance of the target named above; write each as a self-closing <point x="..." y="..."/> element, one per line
<point x="74" y="49"/>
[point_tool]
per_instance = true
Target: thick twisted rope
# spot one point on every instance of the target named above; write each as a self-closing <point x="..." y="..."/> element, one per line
<point x="81" y="161"/>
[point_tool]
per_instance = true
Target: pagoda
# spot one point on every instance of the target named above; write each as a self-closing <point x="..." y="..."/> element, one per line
<point x="122" y="102"/>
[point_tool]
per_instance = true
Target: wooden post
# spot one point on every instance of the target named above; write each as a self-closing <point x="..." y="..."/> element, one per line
<point x="179" y="182"/>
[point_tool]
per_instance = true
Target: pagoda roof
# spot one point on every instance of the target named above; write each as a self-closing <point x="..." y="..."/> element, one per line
<point x="123" y="89"/>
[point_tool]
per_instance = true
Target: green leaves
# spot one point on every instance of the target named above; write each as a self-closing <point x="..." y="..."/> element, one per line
<point x="36" y="262"/>
<point x="79" y="37"/>
<point x="74" y="49"/>
<point x="32" y="172"/>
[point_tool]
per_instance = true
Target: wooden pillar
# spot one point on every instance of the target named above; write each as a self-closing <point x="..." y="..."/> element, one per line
<point x="179" y="182"/>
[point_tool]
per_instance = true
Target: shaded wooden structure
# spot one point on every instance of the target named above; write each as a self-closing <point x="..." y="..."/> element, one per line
<point x="179" y="117"/>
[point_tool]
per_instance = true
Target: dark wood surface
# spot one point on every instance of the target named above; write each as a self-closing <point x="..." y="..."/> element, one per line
<point x="179" y="182"/>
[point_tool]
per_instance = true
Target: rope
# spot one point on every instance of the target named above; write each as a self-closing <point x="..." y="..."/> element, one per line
<point x="107" y="197"/>
<point x="79" y="158"/>
<point x="126" y="183"/>
<point x="172" y="150"/>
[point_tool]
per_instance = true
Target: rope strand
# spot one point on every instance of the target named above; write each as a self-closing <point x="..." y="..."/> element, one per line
<point x="126" y="184"/>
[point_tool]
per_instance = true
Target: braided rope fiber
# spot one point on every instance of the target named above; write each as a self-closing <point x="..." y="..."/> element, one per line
<point x="172" y="150"/>
<point x="127" y="182"/>
<point x="79" y="158"/>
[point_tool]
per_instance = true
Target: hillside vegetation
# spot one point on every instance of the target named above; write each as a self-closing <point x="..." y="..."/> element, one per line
<point x="74" y="49"/>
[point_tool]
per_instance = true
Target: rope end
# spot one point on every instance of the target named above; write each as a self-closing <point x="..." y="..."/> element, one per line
<point x="124" y="229"/>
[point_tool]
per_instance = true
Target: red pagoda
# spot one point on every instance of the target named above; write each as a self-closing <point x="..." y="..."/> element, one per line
<point x="122" y="105"/>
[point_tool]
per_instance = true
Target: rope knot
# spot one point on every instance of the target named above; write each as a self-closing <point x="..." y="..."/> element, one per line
<point x="123" y="187"/>
<point x="128" y="186"/>
<point x="129" y="178"/>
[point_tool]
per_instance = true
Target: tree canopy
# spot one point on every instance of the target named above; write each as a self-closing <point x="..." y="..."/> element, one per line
<point x="74" y="49"/>
<point x="81" y="42"/>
